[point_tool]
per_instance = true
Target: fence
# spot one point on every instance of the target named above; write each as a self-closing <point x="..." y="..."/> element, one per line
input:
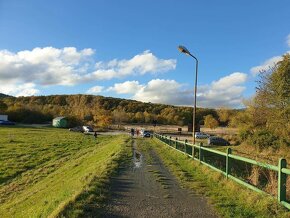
<point x="225" y="163"/>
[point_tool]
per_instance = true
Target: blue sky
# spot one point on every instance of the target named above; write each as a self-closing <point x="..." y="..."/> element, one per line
<point x="128" y="49"/>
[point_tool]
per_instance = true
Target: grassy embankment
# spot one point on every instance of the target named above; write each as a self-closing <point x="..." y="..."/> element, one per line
<point x="229" y="198"/>
<point x="45" y="172"/>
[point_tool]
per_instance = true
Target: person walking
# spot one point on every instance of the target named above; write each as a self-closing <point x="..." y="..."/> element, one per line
<point x="95" y="135"/>
<point x="132" y="132"/>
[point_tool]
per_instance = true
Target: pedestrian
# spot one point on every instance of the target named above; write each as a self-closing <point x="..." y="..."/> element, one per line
<point x="132" y="132"/>
<point x="95" y="134"/>
<point x="137" y="132"/>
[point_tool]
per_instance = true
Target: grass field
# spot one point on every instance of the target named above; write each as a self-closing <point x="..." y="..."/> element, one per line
<point x="42" y="170"/>
<point x="229" y="198"/>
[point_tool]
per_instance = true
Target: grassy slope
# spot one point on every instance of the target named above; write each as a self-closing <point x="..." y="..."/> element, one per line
<point x="91" y="202"/>
<point x="230" y="199"/>
<point x="44" y="169"/>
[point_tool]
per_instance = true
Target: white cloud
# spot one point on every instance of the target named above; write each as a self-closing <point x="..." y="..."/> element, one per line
<point x="95" y="90"/>
<point x="162" y="91"/>
<point x="227" y="91"/>
<point x="69" y="66"/>
<point x="128" y="87"/>
<point x="26" y="89"/>
<point x="229" y="81"/>
<point x="268" y="64"/>
<point x="44" y="66"/>
<point x="140" y="64"/>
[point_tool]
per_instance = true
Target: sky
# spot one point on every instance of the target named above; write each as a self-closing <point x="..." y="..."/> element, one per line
<point x="128" y="49"/>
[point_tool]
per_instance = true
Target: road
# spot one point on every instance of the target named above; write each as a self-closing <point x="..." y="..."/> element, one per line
<point x="146" y="188"/>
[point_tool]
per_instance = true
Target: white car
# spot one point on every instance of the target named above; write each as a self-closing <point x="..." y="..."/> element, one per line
<point x="87" y="129"/>
<point x="201" y="135"/>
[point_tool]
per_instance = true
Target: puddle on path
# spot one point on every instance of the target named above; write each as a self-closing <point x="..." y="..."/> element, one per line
<point x="137" y="157"/>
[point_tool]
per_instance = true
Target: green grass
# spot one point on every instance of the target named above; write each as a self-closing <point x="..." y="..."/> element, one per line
<point x="42" y="170"/>
<point x="229" y="199"/>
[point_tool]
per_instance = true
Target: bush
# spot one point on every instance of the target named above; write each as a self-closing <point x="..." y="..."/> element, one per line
<point x="245" y="134"/>
<point x="264" y="139"/>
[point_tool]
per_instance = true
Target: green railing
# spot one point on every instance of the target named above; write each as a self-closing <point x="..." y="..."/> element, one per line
<point x="224" y="162"/>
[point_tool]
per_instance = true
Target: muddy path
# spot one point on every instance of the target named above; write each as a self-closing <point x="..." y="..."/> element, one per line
<point x="145" y="188"/>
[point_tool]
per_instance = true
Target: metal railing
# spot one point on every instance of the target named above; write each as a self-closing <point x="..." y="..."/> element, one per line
<point x="226" y="163"/>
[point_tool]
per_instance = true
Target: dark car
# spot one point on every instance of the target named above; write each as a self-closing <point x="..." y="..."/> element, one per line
<point x="214" y="140"/>
<point x="76" y="129"/>
<point x="6" y="123"/>
<point x="146" y="133"/>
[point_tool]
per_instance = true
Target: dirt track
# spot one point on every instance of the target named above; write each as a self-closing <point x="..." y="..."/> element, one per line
<point x="146" y="188"/>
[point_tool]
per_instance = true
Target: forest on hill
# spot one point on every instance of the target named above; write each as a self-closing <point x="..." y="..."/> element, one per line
<point x="98" y="110"/>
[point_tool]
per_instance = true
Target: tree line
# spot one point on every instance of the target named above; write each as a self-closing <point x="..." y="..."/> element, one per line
<point x="103" y="111"/>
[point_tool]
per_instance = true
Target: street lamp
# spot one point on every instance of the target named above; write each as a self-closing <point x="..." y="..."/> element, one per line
<point x="185" y="51"/>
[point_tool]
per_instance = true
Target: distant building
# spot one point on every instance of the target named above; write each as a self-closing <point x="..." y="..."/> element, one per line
<point x="60" y="122"/>
<point x="4" y="117"/>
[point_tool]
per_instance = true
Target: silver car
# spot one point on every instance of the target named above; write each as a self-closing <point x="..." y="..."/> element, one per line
<point x="201" y="135"/>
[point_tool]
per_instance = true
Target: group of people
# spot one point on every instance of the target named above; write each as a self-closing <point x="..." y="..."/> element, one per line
<point x="133" y="131"/>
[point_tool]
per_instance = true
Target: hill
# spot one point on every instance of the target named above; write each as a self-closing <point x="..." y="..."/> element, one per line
<point x="4" y="95"/>
<point x="98" y="110"/>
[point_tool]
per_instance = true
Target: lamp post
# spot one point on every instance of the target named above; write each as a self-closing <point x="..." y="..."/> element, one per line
<point x="184" y="50"/>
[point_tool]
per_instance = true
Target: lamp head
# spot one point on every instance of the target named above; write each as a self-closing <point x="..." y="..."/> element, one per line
<point x="183" y="50"/>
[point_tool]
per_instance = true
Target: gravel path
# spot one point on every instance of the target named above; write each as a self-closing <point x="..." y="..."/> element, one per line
<point x="146" y="188"/>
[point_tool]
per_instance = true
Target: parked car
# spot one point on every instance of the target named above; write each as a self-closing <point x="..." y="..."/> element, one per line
<point x="146" y="133"/>
<point x="88" y="129"/>
<point x="214" y="140"/>
<point x="6" y="123"/>
<point x="201" y="135"/>
<point x="76" y="129"/>
<point x="85" y="129"/>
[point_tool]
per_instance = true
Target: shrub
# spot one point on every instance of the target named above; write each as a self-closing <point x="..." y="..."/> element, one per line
<point x="245" y="134"/>
<point x="263" y="139"/>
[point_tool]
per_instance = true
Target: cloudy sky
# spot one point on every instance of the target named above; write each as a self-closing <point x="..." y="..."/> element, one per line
<point x="128" y="49"/>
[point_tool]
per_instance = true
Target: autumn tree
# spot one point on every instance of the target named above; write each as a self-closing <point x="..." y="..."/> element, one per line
<point x="103" y="118"/>
<point x="139" y="117"/>
<point x="266" y="121"/>
<point x="210" y="122"/>
<point x="119" y="116"/>
<point x="3" y="107"/>
<point x="147" y="117"/>
<point x="224" y="115"/>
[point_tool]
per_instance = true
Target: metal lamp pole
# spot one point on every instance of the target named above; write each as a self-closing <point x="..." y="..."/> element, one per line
<point x="185" y="51"/>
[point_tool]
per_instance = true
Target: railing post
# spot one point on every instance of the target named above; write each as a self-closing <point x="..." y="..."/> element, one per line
<point x="185" y="141"/>
<point x="176" y="143"/>
<point x="282" y="180"/>
<point x="170" y="141"/>
<point x="193" y="151"/>
<point x="228" y="162"/>
<point x="200" y="152"/>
